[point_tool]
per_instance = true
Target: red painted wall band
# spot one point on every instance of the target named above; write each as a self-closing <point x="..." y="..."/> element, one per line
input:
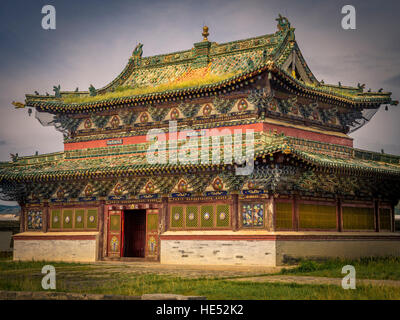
<point x="64" y="237"/>
<point x="311" y="135"/>
<point x="282" y="237"/>
<point x="257" y="127"/>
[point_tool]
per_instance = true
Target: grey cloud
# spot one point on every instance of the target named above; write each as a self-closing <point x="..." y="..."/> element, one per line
<point x="394" y="81"/>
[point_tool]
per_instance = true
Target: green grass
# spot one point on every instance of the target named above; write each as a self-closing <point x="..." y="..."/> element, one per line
<point x="387" y="268"/>
<point x="213" y="289"/>
<point x="8" y="264"/>
<point x="86" y="278"/>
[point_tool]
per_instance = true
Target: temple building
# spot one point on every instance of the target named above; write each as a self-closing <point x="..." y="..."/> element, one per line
<point x="230" y="154"/>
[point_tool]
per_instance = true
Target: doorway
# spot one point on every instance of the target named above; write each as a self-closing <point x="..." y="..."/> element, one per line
<point x="134" y="233"/>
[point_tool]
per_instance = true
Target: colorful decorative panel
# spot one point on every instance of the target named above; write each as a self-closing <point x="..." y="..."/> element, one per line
<point x="91" y="219"/>
<point x="247" y="215"/>
<point x="152" y="222"/>
<point x="253" y="215"/>
<point x="192" y="216"/>
<point x="258" y="215"/>
<point x="114" y="244"/>
<point x="79" y="218"/>
<point x="177" y="217"/>
<point x="151" y="245"/>
<point x="385" y="219"/>
<point x="223" y="216"/>
<point x="283" y="215"/>
<point x="55" y="222"/>
<point x="34" y="220"/>
<point x="355" y="218"/>
<point x="115" y="223"/>
<point x="207" y="216"/>
<point x="67" y="219"/>
<point x="152" y="234"/>
<point x="317" y="216"/>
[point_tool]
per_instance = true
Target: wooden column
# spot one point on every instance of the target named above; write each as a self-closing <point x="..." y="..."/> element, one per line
<point x="393" y="222"/>
<point x="271" y="214"/>
<point x="376" y="215"/>
<point x="105" y="231"/>
<point x="163" y="219"/>
<point x="295" y="213"/>
<point x="22" y="218"/>
<point x="101" y="230"/>
<point x="235" y="212"/>
<point x="45" y="217"/>
<point x="339" y="214"/>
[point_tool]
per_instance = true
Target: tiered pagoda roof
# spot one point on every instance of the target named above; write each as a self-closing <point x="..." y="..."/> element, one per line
<point x="205" y="70"/>
<point x="130" y="160"/>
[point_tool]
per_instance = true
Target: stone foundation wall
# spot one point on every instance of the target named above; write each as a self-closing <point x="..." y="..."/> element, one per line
<point x="71" y="250"/>
<point x="218" y="252"/>
<point x="287" y="250"/>
<point x="271" y="249"/>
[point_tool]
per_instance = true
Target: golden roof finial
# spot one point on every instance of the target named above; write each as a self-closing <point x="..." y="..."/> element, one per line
<point x="205" y="33"/>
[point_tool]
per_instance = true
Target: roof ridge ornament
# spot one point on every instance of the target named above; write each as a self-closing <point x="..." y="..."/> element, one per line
<point x="137" y="53"/>
<point x="92" y="91"/>
<point x="18" y="105"/>
<point x="205" y="33"/>
<point x="283" y="23"/>
<point x="57" y="91"/>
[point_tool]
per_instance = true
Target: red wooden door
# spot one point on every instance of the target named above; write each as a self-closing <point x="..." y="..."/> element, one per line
<point x="115" y="233"/>
<point x="152" y="234"/>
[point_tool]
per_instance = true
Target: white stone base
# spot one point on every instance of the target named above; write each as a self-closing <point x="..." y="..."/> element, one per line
<point x="218" y="252"/>
<point x="263" y="248"/>
<point x="51" y="249"/>
<point x="352" y="249"/>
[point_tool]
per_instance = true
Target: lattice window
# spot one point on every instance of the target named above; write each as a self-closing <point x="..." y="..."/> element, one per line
<point x="283" y="215"/>
<point x="313" y="216"/>
<point x="73" y="219"/>
<point x="177" y="217"/>
<point x="55" y="219"/>
<point x="207" y="216"/>
<point x="356" y="218"/>
<point x="200" y="216"/>
<point x="223" y="216"/>
<point x="192" y="217"/>
<point x="91" y="219"/>
<point x="385" y="219"/>
<point x="67" y="218"/>
<point x="79" y="218"/>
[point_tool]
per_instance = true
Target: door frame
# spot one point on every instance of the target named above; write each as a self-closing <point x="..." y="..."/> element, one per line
<point x="145" y="212"/>
<point x="120" y="210"/>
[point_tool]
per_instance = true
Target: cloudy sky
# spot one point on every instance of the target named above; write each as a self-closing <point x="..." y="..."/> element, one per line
<point x="94" y="39"/>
